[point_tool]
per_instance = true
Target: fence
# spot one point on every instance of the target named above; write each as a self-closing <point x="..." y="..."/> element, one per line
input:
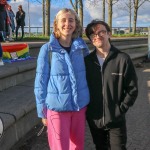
<point x="36" y="31"/>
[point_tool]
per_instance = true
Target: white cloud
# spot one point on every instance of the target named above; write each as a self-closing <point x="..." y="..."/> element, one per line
<point x="95" y="11"/>
<point x="120" y="17"/>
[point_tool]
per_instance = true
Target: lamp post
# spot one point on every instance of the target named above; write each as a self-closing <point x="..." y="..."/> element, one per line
<point x="149" y="42"/>
<point x="29" y="18"/>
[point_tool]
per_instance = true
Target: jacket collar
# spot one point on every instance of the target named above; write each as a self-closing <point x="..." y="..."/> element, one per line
<point x="113" y="51"/>
<point x="77" y="43"/>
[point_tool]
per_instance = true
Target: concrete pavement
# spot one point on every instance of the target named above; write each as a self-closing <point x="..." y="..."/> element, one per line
<point x="138" y="122"/>
<point x="17" y="102"/>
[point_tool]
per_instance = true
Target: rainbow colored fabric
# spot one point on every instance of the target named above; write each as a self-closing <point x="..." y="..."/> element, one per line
<point x="15" y="51"/>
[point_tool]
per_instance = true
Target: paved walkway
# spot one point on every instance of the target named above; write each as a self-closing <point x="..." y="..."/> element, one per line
<point x="138" y="122"/>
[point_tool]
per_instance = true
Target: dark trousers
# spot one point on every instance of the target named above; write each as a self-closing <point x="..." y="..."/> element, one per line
<point x="109" y="138"/>
<point x="1" y="52"/>
<point x="22" y="29"/>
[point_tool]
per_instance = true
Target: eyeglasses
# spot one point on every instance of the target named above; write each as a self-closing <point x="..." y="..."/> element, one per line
<point x="100" y="33"/>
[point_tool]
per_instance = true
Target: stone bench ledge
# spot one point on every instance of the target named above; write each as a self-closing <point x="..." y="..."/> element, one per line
<point x="17" y="67"/>
<point x="18" y="112"/>
<point x="17" y="101"/>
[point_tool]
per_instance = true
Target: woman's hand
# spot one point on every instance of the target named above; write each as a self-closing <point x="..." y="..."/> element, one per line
<point x="44" y="121"/>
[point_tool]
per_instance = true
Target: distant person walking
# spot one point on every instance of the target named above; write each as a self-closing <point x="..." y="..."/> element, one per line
<point x="20" y="21"/>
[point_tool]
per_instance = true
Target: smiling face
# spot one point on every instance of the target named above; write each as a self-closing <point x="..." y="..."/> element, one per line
<point x="66" y="24"/>
<point x="100" y="37"/>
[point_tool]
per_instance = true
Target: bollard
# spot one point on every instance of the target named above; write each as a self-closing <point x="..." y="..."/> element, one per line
<point x="1" y="128"/>
<point x="148" y="42"/>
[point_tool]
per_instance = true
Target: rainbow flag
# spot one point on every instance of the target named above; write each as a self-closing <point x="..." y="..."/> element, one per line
<point x="15" y="51"/>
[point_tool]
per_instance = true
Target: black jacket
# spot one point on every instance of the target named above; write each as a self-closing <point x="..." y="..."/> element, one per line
<point x="20" y="18"/>
<point x="112" y="90"/>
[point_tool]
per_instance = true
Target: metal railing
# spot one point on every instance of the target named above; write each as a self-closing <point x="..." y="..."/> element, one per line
<point x="36" y="31"/>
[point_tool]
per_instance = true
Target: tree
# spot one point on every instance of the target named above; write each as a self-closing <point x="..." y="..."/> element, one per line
<point x="127" y="7"/>
<point x="110" y="11"/>
<point x="43" y="9"/>
<point x="78" y="7"/>
<point x="75" y="5"/>
<point x="81" y="12"/>
<point x="103" y="12"/>
<point x="47" y="18"/>
<point x="137" y="4"/>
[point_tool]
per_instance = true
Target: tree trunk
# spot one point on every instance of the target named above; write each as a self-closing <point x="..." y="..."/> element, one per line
<point x="110" y="13"/>
<point x="135" y="15"/>
<point x="130" y="16"/>
<point x="47" y="18"/>
<point x="81" y="14"/>
<point x="103" y="10"/>
<point x="43" y="8"/>
<point x="75" y="5"/>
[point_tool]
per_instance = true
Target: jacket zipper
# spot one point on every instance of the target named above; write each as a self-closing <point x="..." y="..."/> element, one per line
<point x="103" y="97"/>
<point x="103" y="119"/>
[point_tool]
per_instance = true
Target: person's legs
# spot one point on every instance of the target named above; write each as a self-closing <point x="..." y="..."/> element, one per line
<point x="10" y="33"/>
<point x="118" y="138"/>
<point x="58" y="129"/>
<point x="17" y="28"/>
<point x="100" y="138"/>
<point x="2" y="38"/>
<point x="22" y="28"/>
<point x="77" y="130"/>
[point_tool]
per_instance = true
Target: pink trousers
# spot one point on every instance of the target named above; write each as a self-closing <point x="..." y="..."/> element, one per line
<point x="66" y="130"/>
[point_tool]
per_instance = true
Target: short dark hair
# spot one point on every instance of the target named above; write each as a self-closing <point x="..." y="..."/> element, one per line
<point x="90" y="27"/>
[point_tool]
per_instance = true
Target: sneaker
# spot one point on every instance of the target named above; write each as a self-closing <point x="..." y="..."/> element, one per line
<point x="10" y="39"/>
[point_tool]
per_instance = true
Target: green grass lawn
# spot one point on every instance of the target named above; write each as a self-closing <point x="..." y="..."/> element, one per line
<point x="42" y="38"/>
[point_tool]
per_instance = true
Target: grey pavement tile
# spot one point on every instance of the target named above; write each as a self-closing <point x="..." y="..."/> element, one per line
<point x="138" y="120"/>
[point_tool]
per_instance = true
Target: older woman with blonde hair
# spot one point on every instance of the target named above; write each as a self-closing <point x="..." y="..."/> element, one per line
<point x="61" y="89"/>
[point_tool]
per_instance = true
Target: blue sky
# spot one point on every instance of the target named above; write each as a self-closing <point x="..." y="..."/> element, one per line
<point x="120" y="17"/>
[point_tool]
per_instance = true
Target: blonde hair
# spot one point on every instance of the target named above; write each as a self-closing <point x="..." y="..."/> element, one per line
<point x="78" y="29"/>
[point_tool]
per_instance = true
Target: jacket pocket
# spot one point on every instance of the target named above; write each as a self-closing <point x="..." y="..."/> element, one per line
<point x="117" y="111"/>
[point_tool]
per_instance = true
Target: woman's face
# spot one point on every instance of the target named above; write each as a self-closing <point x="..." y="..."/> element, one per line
<point x="19" y="8"/>
<point x="66" y="24"/>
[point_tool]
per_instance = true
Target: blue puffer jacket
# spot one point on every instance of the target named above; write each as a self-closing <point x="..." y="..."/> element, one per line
<point x="60" y="83"/>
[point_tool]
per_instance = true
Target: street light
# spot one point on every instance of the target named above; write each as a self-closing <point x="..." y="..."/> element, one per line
<point x="149" y="42"/>
<point x="29" y="18"/>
